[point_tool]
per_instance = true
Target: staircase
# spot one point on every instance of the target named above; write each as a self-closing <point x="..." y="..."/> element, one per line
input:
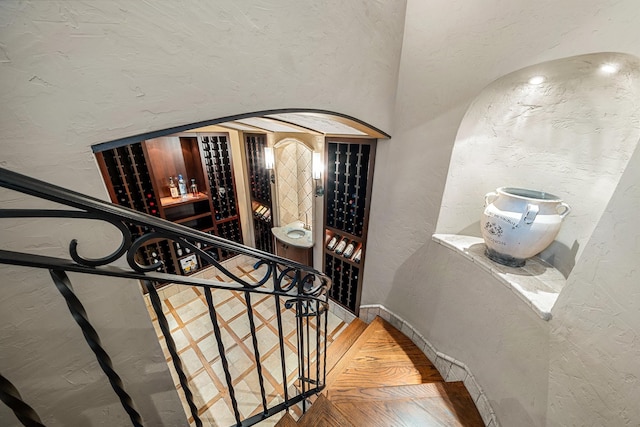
<point x="378" y="377"/>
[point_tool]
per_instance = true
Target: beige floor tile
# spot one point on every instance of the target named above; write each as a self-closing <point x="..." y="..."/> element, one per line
<point x="184" y="296"/>
<point x="209" y="347"/>
<point x="241" y="327"/>
<point x="180" y="339"/>
<point x="203" y="389"/>
<point x="200" y="326"/>
<point x="190" y="362"/>
<point x="220" y="414"/>
<point x="231" y="309"/>
<point x="248" y="400"/>
<point x="191" y="310"/>
<point x="239" y="362"/>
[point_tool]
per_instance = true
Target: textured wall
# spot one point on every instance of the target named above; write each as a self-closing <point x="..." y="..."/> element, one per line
<point x="594" y="376"/>
<point x="451" y="51"/>
<point x="76" y="73"/>
<point x="571" y="136"/>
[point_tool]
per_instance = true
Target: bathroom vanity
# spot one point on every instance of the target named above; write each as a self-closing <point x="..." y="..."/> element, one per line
<point x="295" y="242"/>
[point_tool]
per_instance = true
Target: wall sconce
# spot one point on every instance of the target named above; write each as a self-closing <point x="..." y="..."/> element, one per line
<point x="317" y="168"/>
<point x="269" y="162"/>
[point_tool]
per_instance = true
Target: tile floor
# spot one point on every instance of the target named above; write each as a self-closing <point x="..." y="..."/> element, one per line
<point x="188" y="316"/>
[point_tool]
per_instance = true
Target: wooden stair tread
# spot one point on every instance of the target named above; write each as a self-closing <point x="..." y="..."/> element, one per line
<point x="382" y="356"/>
<point x="323" y="414"/>
<point x="434" y="404"/>
<point x="286" y="421"/>
<point x="345" y="340"/>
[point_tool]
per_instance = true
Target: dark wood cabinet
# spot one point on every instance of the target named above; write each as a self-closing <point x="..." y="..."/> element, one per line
<point x="137" y="176"/>
<point x="300" y="255"/>
<point x="348" y="182"/>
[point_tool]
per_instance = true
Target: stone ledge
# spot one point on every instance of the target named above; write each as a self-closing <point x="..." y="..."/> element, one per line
<point x="538" y="283"/>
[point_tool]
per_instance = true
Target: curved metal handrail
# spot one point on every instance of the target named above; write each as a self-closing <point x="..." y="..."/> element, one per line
<point x="302" y="287"/>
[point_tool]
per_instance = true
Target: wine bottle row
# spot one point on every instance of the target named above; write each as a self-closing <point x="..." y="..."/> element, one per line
<point x="342" y="246"/>
<point x="229" y="230"/>
<point x="264" y="238"/>
<point x="345" y="281"/>
<point x="346" y="189"/>
<point x="131" y="182"/>
<point x="259" y="176"/>
<point x="157" y="252"/>
<point x="218" y="168"/>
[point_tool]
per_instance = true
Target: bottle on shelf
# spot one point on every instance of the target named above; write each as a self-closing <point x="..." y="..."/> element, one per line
<point x="341" y="246"/>
<point x="173" y="189"/>
<point x="333" y="242"/>
<point x="348" y="251"/>
<point x="178" y="249"/>
<point x="193" y="188"/>
<point x="182" y="186"/>
<point x="357" y="255"/>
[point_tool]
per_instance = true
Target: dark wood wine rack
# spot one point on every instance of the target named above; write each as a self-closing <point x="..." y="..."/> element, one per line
<point x="137" y="177"/>
<point x="348" y="183"/>
<point x="260" y="190"/>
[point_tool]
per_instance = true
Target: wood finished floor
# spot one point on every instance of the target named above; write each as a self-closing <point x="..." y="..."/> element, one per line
<point x="382" y="379"/>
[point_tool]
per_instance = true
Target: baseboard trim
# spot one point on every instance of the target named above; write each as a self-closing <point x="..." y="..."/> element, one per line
<point x="450" y="368"/>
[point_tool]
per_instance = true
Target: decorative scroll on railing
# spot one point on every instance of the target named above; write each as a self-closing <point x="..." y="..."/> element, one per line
<point x="297" y="287"/>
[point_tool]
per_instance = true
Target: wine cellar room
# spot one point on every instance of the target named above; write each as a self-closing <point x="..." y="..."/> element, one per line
<point x="296" y="185"/>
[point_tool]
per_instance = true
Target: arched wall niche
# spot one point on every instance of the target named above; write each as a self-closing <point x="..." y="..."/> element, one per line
<point x="571" y="135"/>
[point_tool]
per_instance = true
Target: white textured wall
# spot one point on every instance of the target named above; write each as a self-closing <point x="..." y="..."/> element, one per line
<point x="451" y="51"/>
<point x="76" y="73"/>
<point x="571" y="136"/>
<point x="594" y="376"/>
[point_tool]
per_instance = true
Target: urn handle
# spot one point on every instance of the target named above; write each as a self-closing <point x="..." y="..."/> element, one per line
<point x="566" y="210"/>
<point x="530" y="215"/>
<point x="490" y="198"/>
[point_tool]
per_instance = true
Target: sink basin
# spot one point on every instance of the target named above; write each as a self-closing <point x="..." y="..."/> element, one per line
<point x="296" y="233"/>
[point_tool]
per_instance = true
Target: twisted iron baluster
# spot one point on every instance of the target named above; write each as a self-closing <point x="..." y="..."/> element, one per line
<point x="223" y="356"/>
<point x="11" y="397"/>
<point x="281" y="343"/>
<point x="256" y="352"/>
<point x="63" y="284"/>
<point x="171" y="346"/>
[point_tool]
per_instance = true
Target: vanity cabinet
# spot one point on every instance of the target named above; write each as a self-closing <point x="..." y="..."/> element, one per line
<point x="137" y="176"/>
<point x="300" y="255"/>
<point x="347" y="200"/>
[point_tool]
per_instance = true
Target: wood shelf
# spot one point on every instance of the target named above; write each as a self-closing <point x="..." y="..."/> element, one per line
<point x="169" y="202"/>
<point x="137" y="177"/>
<point x="191" y="218"/>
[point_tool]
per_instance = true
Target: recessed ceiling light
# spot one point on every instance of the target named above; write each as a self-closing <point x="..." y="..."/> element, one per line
<point x="536" y="80"/>
<point x="609" y="68"/>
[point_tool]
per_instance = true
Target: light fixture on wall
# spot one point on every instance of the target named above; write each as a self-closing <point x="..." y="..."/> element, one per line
<point x="269" y="162"/>
<point x="317" y="168"/>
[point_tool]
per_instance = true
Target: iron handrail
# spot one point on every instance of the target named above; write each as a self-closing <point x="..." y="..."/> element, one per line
<point x="302" y="288"/>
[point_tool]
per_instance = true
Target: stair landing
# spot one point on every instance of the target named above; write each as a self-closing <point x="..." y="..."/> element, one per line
<point x="383" y="379"/>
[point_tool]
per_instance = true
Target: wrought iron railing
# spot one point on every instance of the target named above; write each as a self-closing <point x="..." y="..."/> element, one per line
<point x="298" y="288"/>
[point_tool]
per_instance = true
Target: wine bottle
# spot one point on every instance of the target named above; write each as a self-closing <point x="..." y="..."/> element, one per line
<point x="332" y="243"/>
<point x="357" y="255"/>
<point x="173" y="189"/>
<point x="349" y="250"/>
<point x="341" y="246"/>
<point x="182" y="186"/>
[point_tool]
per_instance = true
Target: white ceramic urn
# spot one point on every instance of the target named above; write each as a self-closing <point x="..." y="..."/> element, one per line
<point x="518" y="223"/>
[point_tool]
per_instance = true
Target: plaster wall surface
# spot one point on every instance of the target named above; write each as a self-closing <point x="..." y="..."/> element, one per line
<point x="451" y="51"/>
<point x="73" y="74"/>
<point x="571" y="135"/>
<point x="594" y="375"/>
